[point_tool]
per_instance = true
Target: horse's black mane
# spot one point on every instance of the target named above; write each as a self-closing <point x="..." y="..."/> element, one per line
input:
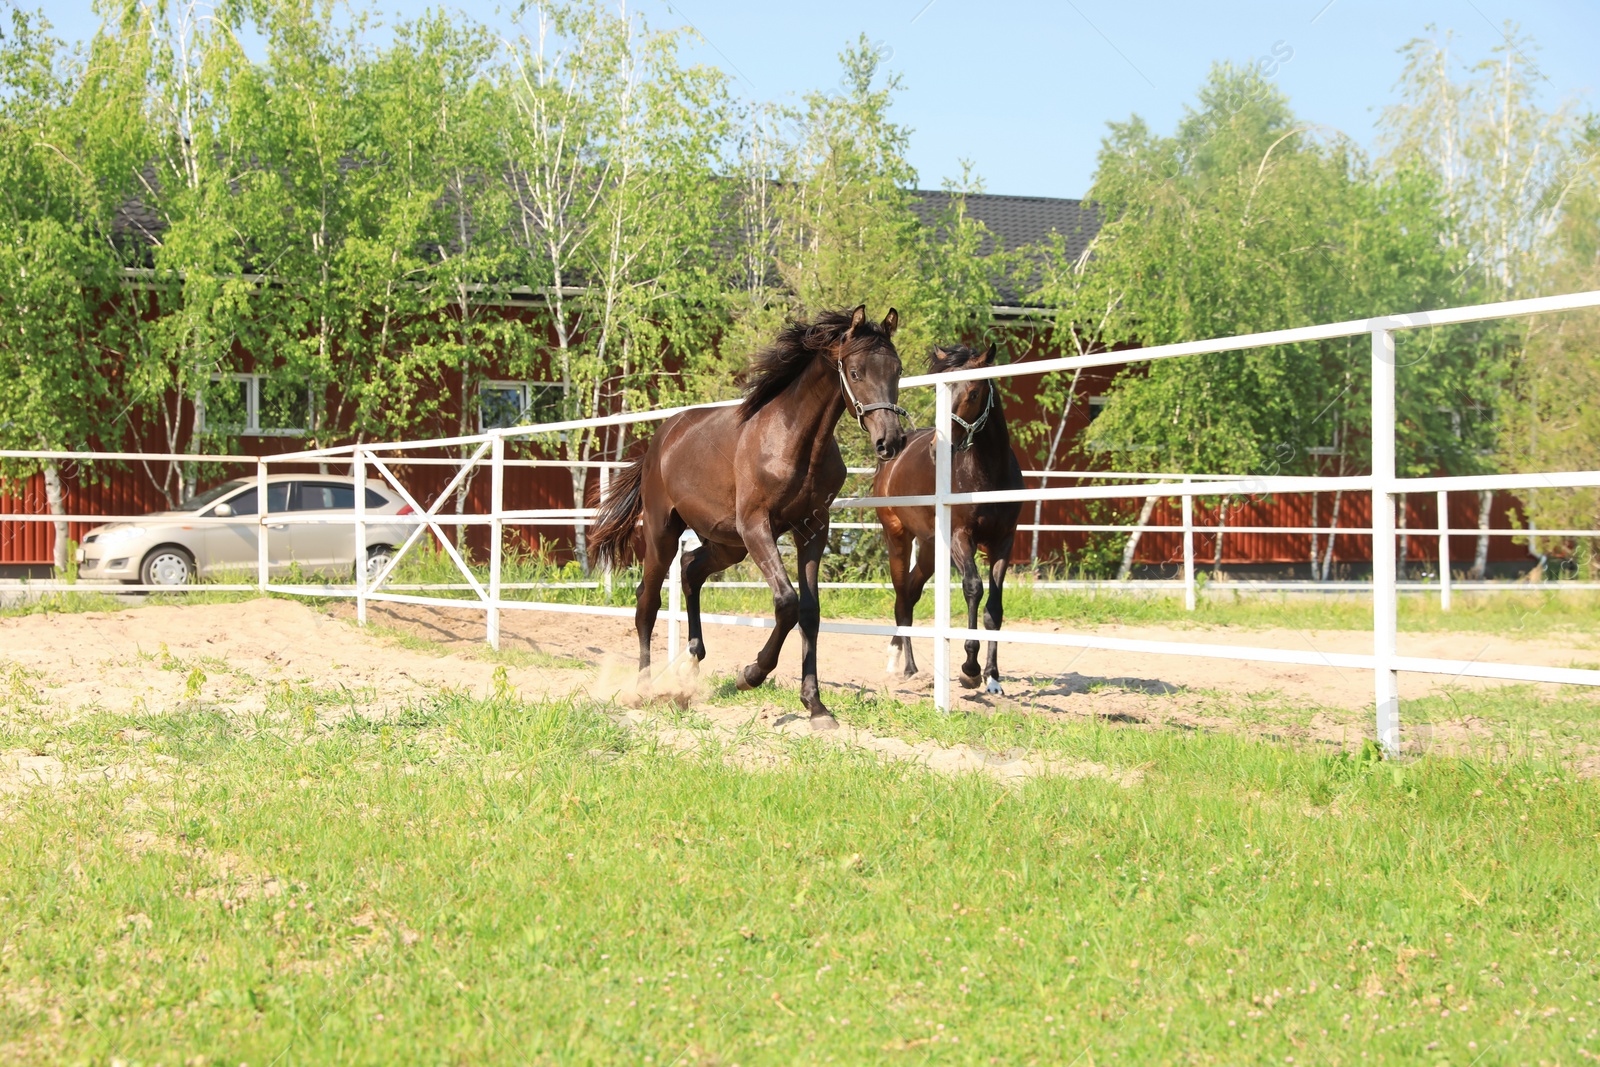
<point x="773" y="368"/>
<point x="951" y="357"/>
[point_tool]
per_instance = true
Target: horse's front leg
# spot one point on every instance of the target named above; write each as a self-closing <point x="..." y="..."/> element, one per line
<point x="763" y="546"/>
<point x="809" y="549"/>
<point x="994" y="611"/>
<point x="972" y="587"/>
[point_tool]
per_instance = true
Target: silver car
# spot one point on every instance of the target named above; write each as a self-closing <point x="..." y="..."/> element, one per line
<point x="163" y="549"/>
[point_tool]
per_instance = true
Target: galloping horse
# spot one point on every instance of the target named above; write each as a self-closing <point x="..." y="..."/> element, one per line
<point x="741" y="477"/>
<point x="981" y="460"/>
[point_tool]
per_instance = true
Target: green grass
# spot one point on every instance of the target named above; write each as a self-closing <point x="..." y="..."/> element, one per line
<point x="500" y="881"/>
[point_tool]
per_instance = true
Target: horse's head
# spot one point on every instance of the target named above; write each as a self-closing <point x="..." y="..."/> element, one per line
<point x="971" y="402"/>
<point x="869" y="378"/>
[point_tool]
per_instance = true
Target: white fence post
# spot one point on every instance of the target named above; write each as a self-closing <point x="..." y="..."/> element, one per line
<point x="497" y="488"/>
<point x="261" y="525"/>
<point x="674" y="598"/>
<point x="358" y="467"/>
<point x="944" y="402"/>
<point x="1385" y="594"/>
<point x="1188" y="549"/>
<point x="1444" y="550"/>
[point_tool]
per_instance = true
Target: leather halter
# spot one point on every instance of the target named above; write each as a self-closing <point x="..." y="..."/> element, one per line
<point x="860" y="410"/>
<point x="976" y="424"/>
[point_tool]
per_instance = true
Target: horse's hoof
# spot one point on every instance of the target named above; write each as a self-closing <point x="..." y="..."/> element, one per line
<point x="971" y="681"/>
<point x="743" y="682"/>
<point x="822" y="722"/>
<point x="994" y="687"/>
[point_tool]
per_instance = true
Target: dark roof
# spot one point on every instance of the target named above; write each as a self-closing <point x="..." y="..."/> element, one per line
<point x="1012" y="221"/>
<point x="1021" y="220"/>
<point x="1017" y="222"/>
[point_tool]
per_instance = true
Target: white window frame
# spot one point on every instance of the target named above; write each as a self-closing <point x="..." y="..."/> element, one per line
<point x="252" y="426"/>
<point x="525" y="388"/>
<point x="1331" y="449"/>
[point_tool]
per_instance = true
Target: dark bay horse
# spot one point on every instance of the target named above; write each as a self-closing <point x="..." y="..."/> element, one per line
<point x="741" y="477"/>
<point x="980" y="460"/>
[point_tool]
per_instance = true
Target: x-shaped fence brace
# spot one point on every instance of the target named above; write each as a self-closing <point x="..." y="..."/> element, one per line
<point x="429" y="514"/>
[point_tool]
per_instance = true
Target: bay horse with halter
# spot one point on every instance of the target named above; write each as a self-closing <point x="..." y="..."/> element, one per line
<point x="742" y="477"/>
<point x="981" y="460"/>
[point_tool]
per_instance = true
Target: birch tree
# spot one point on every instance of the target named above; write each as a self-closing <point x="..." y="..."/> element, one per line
<point x="198" y="273"/>
<point x="614" y="153"/>
<point x="1247" y="219"/>
<point x="1504" y="167"/>
<point x="60" y="268"/>
<point x="1551" y="421"/>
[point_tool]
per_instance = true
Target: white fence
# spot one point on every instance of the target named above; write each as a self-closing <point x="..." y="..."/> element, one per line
<point x="488" y="450"/>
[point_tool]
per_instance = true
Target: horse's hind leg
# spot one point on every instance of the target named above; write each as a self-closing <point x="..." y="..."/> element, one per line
<point x="707" y="560"/>
<point x="660" y="543"/>
<point x="905" y="599"/>
<point x="994" y="611"/>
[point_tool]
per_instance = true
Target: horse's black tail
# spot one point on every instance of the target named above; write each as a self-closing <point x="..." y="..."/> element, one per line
<point x="611" y="534"/>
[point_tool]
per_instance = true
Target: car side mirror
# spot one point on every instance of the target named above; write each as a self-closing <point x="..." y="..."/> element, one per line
<point x="222" y="511"/>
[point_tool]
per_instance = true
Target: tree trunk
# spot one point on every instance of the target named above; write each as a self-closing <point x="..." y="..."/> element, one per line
<point x="1405" y="538"/>
<point x="1333" y="526"/>
<point x="57" y="499"/>
<point x="1126" y="570"/>
<point x="1222" y="525"/>
<point x="1049" y="464"/>
<point x="1480" y="561"/>
<point x="580" y="532"/>
<point x="1316" y="499"/>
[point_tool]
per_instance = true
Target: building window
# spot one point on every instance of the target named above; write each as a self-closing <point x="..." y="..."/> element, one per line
<point x="1331" y="436"/>
<point x="502" y="405"/>
<point x="1097" y="404"/>
<point x="257" y="405"/>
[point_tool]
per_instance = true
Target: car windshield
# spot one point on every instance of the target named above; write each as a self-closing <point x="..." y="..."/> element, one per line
<point x="211" y="496"/>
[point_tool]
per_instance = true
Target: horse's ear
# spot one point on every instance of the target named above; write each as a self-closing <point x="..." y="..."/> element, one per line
<point x="858" y="317"/>
<point x="891" y="322"/>
<point x="988" y="355"/>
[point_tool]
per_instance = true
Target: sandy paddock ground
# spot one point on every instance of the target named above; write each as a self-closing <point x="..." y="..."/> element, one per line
<point x="125" y="662"/>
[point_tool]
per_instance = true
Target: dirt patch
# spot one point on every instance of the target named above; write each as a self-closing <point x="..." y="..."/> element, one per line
<point x="232" y="657"/>
<point x="228" y="656"/>
<point x="1121" y="686"/>
<point x="760" y="739"/>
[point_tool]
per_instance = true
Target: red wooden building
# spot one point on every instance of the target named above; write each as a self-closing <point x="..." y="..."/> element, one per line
<point x="129" y="489"/>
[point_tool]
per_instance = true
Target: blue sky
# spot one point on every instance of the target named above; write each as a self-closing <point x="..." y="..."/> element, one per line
<point x="1024" y="88"/>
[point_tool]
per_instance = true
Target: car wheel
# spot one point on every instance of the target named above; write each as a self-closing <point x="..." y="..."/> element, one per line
<point x="167" y="565"/>
<point x="378" y="557"/>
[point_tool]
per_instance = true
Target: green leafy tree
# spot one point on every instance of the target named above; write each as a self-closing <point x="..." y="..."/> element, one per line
<point x="843" y="228"/>
<point x="614" y="153"/>
<point x="1246" y="219"/>
<point x="192" y="317"/>
<point x="1503" y="168"/>
<point x="62" y="142"/>
<point x="1551" y="422"/>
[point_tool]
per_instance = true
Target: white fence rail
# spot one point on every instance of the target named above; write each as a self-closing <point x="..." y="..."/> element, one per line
<point x="376" y="461"/>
